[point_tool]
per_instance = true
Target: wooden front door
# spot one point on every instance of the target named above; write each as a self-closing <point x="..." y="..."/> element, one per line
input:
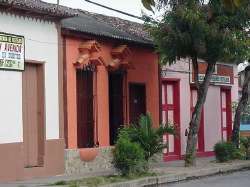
<point x="85" y="118"/>
<point x="33" y="115"/>
<point x="116" y="119"/>
<point x="137" y="101"/>
<point x="226" y="114"/>
<point x="171" y="114"/>
<point x="200" y="143"/>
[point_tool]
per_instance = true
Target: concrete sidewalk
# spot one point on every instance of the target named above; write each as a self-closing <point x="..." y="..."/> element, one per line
<point x="167" y="172"/>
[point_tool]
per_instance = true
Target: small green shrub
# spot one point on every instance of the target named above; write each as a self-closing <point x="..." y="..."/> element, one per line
<point x="129" y="157"/>
<point x="138" y="143"/>
<point x="149" y="138"/>
<point x="245" y="143"/>
<point x="60" y="183"/>
<point x="239" y="154"/>
<point x="225" y="151"/>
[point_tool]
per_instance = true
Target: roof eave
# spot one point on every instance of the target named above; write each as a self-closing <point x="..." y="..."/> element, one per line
<point x="35" y="12"/>
<point x="68" y="31"/>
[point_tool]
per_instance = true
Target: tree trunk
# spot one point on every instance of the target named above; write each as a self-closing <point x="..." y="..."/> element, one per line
<point x="196" y="72"/>
<point x="241" y="107"/>
<point x="194" y="124"/>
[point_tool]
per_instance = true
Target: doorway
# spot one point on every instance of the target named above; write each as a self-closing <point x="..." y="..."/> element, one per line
<point x="85" y="118"/>
<point x="116" y="118"/>
<point x="33" y="115"/>
<point x="171" y="114"/>
<point x="137" y="101"/>
<point x="226" y="114"/>
<point x="201" y="143"/>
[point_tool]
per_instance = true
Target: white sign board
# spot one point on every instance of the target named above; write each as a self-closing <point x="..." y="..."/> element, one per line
<point x="11" y="52"/>
<point x="216" y="79"/>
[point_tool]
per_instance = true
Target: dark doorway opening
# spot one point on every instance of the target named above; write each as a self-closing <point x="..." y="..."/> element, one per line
<point x="137" y="101"/>
<point x="85" y="118"/>
<point x="115" y="104"/>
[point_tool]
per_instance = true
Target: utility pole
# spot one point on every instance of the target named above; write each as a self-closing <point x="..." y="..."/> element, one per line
<point x="58" y="2"/>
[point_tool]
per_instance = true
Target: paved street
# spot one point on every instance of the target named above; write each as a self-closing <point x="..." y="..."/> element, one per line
<point x="238" y="179"/>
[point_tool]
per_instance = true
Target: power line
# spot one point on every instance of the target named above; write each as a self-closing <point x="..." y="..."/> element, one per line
<point x="115" y="10"/>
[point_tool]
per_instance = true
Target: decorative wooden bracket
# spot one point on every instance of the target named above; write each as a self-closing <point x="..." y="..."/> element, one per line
<point x="120" y="58"/>
<point x="89" y="55"/>
<point x="122" y="52"/>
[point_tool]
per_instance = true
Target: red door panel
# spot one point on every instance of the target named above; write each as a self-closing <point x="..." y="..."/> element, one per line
<point x="226" y="115"/>
<point x="171" y="114"/>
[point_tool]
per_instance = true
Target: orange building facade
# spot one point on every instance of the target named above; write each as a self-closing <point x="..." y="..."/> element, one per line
<point x="108" y="84"/>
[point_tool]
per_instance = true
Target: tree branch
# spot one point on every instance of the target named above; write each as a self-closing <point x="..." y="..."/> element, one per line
<point x="241" y="107"/>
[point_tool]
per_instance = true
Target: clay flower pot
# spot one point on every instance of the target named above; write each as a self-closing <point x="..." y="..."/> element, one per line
<point x="88" y="154"/>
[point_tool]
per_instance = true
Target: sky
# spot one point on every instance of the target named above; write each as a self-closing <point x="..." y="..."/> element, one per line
<point x="130" y="6"/>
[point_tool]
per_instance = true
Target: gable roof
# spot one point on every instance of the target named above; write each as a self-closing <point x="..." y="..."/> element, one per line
<point x="38" y="7"/>
<point x="107" y="26"/>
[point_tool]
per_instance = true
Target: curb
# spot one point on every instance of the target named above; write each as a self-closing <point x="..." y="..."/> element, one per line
<point x="185" y="176"/>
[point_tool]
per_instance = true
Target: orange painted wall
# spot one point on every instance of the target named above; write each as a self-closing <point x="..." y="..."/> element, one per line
<point x="71" y="55"/>
<point x="145" y="71"/>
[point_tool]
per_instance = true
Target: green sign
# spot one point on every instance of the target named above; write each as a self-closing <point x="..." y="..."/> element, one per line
<point x="11" y="52"/>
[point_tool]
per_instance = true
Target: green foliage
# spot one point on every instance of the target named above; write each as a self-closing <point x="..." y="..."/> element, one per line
<point x="189" y="157"/>
<point x="232" y="5"/>
<point x="60" y="183"/>
<point x="245" y="115"/>
<point x="137" y="143"/>
<point x="129" y="157"/>
<point x="225" y="151"/>
<point x="148" y="137"/>
<point x="245" y="142"/>
<point x="229" y="4"/>
<point x="207" y="31"/>
<point x="148" y="4"/>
